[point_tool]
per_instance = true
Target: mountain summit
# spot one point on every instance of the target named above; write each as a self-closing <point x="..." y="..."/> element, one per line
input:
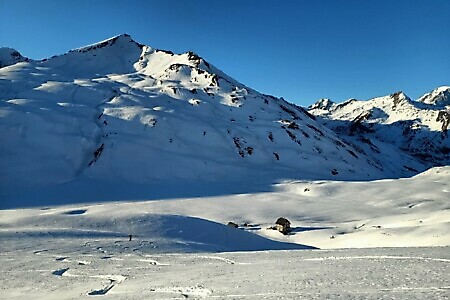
<point x="439" y="96"/>
<point x="418" y="129"/>
<point x="9" y="56"/>
<point x="116" y="114"/>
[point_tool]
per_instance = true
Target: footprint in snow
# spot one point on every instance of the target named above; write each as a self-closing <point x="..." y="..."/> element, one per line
<point x="104" y="290"/>
<point x="225" y="260"/>
<point x="153" y="262"/>
<point x="195" y="291"/>
<point x="75" y="212"/>
<point x="113" y="281"/>
<point x="64" y="258"/>
<point x="60" y="272"/>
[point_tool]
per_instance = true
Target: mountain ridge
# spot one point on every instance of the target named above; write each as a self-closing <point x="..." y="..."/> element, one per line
<point x="125" y="113"/>
<point x="418" y="127"/>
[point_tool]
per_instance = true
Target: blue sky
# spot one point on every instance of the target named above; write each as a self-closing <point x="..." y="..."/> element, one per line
<point x="300" y="50"/>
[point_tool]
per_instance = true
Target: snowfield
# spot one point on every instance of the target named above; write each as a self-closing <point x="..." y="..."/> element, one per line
<point x="52" y="272"/>
<point x="408" y="212"/>
<point x="182" y="248"/>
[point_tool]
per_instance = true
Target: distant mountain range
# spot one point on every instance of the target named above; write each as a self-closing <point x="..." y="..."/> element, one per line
<point x="124" y="113"/>
<point x="393" y="127"/>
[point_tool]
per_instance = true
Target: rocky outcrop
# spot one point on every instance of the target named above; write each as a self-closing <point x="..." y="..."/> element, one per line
<point x="9" y="56"/>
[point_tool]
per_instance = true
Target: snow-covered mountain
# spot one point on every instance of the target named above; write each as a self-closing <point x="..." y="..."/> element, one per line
<point x="119" y="112"/>
<point x="394" y="127"/>
<point x="118" y="120"/>
<point x="438" y="97"/>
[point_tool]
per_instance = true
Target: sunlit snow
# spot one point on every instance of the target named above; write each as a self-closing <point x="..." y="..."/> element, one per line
<point x="121" y="166"/>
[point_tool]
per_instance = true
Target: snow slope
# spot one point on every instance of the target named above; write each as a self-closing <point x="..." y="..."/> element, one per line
<point x="101" y="118"/>
<point x="324" y="214"/>
<point x="77" y="251"/>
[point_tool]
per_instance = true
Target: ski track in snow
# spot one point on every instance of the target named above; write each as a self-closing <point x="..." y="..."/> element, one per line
<point x="186" y="292"/>
<point x="225" y="260"/>
<point x="377" y="257"/>
<point x="113" y="281"/>
<point x="355" y="273"/>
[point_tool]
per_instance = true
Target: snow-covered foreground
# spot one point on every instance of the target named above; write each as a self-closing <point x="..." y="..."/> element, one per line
<point x="54" y="270"/>
<point x="410" y="212"/>
<point x="182" y="247"/>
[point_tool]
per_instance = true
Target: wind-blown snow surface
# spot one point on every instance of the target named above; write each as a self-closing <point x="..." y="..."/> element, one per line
<point x="81" y="251"/>
<point x="84" y="250"/>
<point x="407" y="273"/>
<point x="388" y="213"/>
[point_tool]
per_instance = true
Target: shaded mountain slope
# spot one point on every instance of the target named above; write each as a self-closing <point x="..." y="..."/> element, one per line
<point x="118" y="111"/>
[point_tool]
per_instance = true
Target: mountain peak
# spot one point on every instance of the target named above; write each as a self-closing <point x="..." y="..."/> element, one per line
<point x="9" y="56"/>
<point x="118" y="40"/>
<point x="399" y="98"/>
<point x="114" y="55"/>
<point x="439" y="96"/>
<point x="324" y="104"/>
